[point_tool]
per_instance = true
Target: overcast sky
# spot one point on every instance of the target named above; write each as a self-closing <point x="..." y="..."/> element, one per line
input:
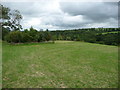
<point x="56" y="14"/>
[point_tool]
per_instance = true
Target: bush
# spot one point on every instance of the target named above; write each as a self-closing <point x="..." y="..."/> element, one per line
<point x="14" y="37"/>
<point x="26" y="37"/>
<point x="22" y="37"/>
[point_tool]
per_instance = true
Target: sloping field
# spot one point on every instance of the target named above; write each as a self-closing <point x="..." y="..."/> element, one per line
<point x="65" y="64"/>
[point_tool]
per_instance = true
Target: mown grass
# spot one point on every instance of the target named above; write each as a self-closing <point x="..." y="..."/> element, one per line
<point x="64" y="64"/>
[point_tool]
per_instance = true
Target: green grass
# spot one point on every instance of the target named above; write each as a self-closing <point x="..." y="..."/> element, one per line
<point x="65" y="64"/>
<point x="0" y="64"/>
<point x="111" y="32"/>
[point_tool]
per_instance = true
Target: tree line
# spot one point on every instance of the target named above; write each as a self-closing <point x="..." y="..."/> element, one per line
<point x="101" y="36"/>
<point x="31" y="35"/>
<point x="12" y="33"/>
<point x="109" y="36"/>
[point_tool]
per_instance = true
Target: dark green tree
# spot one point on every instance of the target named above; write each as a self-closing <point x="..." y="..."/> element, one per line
<point x="10" y="19"/>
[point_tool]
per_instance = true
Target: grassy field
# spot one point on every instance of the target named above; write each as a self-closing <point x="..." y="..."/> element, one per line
<point x="64" y="64"/>
<point x="111" y="32"/>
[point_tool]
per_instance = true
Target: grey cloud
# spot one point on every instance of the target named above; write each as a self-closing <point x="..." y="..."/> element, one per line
<point x="97" y="11"/>
<point x="67" y="15"/>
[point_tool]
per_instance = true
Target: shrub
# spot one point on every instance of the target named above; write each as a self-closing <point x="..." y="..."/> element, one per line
<point x="14" y="37"/>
